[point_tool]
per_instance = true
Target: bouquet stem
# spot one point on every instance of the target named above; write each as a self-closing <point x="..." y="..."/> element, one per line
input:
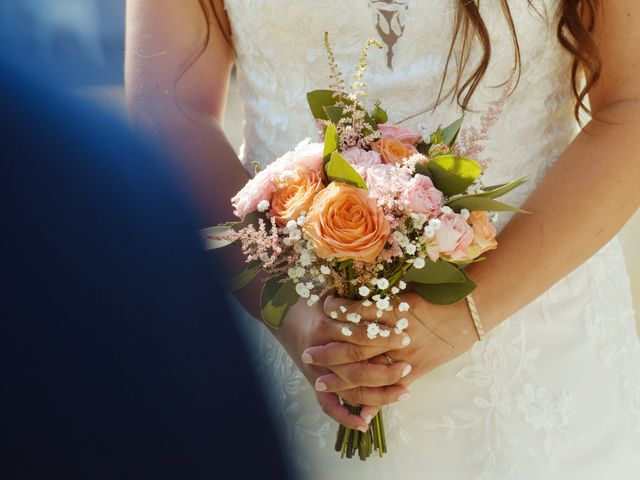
<point x="350" y="441"/>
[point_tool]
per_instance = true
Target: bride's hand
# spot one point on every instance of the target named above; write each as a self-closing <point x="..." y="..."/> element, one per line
<point x="305" y="327"/>
<point x="438" y="334"/>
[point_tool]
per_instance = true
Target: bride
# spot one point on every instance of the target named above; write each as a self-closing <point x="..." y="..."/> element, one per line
<point x="553" y="390"/>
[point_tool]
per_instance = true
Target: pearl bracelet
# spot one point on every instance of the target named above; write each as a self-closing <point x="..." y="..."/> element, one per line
<point x="475" y="316"/>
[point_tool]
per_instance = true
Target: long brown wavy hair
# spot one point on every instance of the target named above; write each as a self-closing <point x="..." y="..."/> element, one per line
<point x="574" y="32"/>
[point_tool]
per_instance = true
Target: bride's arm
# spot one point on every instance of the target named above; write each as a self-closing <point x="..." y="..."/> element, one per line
<point x="587" y="195"/>
<point x="581" y="203"/>
<point x="176" y="90"/>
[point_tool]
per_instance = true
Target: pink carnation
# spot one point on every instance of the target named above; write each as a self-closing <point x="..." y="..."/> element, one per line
<point x="307" y="154"/>
<point x="386" y="180"/>
<point x="422" y="197"/>
<point x="402" y="134"/>
<point x="452" y="239"/>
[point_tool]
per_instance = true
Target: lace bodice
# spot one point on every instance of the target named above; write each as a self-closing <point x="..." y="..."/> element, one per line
<point x="281" y="56"/>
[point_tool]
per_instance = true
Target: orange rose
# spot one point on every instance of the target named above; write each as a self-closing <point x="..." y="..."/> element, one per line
<point x="344" y="223"/>
<point x="392" y="151"/>
<point x="484" y="234"/>
<point x="294" y="195"/>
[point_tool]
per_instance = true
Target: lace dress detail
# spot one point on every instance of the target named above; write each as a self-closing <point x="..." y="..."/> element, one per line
<point x="554" y="391"/>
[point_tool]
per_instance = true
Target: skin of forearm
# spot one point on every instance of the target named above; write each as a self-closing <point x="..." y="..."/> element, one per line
<point x="581" y="203"/>
<point x="209" y="168"/>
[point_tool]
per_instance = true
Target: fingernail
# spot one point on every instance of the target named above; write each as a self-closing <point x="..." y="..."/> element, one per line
<point x="403" y="397"/>
<point x="406" y="340"/>
<point x="368" y="419"/>
<point x="362" y="429"/>
<point x="321" y="387"/>
<point x="306" y="358"/>
<point x="406" y="371"/>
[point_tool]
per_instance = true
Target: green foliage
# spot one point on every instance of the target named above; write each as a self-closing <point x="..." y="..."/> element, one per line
<point x="452" y="174"/>
<point x="378" y="114"/>
<point x="244" y="277"/>
<point x="450" y="132"/>
<point x="479" y="203"/>
<point x="331" y="142"/>
<point x="223" y="228"/>
<point x="499" y="190"/>
<point x="276" y="299"/>
<point x="318" y="100"/>
<point x="445" y="293"/>
<point x="339" y="170"/>
<point x="435" y="273"/>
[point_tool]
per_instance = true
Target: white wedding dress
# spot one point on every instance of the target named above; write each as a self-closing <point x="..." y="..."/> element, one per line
<point x="551" y="393"/>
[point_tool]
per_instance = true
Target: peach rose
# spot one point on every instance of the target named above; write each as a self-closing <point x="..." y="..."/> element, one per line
<point x="392" y="151"/>
<point x="294" y="194"/>
<point x="484" y="234"/>
<point x="402" y="134"/>
<point x="344" y="223"/>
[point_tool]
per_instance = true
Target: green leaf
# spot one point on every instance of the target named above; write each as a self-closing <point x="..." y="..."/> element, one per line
<point x="211" y="243"/>
<point x="499" y="190"/>
<point x="436" y="137"/>
<point x="452" y="174"/>
<point x="318" y="100"/>
<point x="331" y="142"/>
<point x="478" y="203"/>
<point x="243" y="278"/>
<point x="339" y="170"/>
<point x="445" y="293"/>
<point x="223" y="228"/>
<point x="434" y="273"/>
<point x="334" y="113"/>
<point x="378" y="114"/>
<point x="450" y="132"/>
<point x="467" y="262"/>
<point x="275" y="301"/>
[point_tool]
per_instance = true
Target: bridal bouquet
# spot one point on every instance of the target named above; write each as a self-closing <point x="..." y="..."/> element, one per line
<point x="373" y="210"/>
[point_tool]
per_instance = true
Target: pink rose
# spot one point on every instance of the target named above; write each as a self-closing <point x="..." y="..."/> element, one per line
<point x="402" y="134"/>
<point x="362" y="160"/>
<point x="452" y="239"/>
<point x="422" y="197"/>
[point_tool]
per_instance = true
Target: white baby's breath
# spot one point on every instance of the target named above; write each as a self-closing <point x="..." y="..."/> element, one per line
<point x="395" y="290"/>
<point x="333" y="315"/>
<point x="403" y="307"/>
<point x="302" y="290"/>
<point x="346" y="331"/>
<point x="384" y="333"/>
<point x="446" y="210"/>
<point x="435" y="223"/>
<point x="382" y="283"/>
<point x="313" y="299"/>
<point x="343" y="309"/>
<point x="264" y="257"/>
<point x="325" y="270"/>
<point x="465" y="213"/>
<point x="419" y="263"/>
<point x="263" y="205"/>
<point x="367" y="303"/>
<point x="402" y="284"/>
<point x="364" y="291"/>
<point x="373" y="329"/>
<point x="354" y="317"/>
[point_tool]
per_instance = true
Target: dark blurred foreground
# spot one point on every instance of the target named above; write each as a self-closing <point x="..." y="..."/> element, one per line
<point x="118" y="355"/>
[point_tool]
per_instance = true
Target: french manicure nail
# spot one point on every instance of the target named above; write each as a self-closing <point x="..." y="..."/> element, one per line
<point x="406" y="340"/>
<point x="406" y="371"/>
<point x="362" y="429"/>
<point x="368" y="419"/>
<point x="306" y="358"/>
<point x="321" y="387"/>
<point x="403" y="397"/>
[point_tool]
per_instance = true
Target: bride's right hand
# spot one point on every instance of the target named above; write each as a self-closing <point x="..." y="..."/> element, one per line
<point x="306" y="327"/>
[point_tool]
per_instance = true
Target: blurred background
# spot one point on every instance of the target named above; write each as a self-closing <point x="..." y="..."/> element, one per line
<point x="82" y="42"/>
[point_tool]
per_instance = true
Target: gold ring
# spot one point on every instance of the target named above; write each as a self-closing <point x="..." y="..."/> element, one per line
<point x="389" y="359"/>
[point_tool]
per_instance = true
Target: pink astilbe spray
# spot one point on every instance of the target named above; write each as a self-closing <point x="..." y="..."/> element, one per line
<point x="470" y="140"/>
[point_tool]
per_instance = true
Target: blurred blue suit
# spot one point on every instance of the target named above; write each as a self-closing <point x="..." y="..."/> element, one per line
<point x="118" y="356"/>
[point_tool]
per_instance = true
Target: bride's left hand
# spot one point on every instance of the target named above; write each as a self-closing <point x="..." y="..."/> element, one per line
<point x="442" y="333"/>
